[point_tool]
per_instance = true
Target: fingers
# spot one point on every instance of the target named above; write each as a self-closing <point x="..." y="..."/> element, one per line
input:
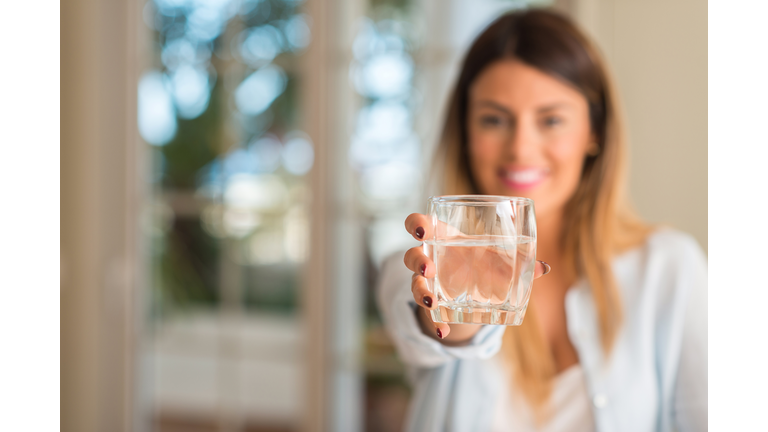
<point x="542" y="269"/>
<point x="421" y="293"/>
<point x="442" y="330"/>
<point x="419" y="225"/>
<point x="426" y="300"/>
<point x="419" y="263"/>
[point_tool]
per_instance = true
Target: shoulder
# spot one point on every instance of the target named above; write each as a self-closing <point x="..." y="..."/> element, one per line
<point x="665" y="251"/>
<point x="663" y="273"/>
<point x="676" y="254"/>
<point x="672" y="242"/>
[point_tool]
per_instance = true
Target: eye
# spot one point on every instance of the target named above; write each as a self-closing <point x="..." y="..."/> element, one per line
<point x="552" y="121"/>
<point x="491" y="120"/>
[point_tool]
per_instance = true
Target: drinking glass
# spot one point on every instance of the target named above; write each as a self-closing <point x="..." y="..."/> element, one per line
<point x="484" y="251"/>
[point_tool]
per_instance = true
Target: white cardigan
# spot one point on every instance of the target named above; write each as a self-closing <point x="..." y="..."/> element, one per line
<point x="654" y="380"/>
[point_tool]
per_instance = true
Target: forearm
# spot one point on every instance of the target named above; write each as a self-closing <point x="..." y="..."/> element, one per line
<point x="459" y="335"/>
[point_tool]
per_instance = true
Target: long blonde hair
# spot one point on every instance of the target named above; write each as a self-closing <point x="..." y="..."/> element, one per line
<point x="599" y="220"/>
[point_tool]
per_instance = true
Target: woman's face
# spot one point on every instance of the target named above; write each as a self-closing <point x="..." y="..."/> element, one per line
<point x="528" y="135"/>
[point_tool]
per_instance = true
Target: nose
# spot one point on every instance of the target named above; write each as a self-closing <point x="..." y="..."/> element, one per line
<point x="522" y="141"/>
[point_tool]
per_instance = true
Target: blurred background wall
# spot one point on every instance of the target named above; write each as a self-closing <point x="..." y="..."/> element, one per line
<point x="658" y="53"/>
<point x="235" y="171"/>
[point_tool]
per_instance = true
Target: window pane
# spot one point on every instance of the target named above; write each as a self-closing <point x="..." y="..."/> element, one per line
<point x="227" y="221"/>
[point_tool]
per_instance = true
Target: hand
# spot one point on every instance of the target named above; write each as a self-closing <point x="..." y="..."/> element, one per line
<point x="491" y="274"/>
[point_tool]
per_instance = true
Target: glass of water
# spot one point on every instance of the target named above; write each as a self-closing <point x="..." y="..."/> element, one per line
<point x="484" y="251"/>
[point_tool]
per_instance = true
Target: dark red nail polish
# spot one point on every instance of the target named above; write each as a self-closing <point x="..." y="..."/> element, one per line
<point x="420" y="232"/>
<point x="423" y="269"/>
<point x="439" y="334"/>
<point x="427" y="300"/>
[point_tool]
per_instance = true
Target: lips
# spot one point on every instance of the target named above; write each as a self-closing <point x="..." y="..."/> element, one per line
<point x="523" y="178"/>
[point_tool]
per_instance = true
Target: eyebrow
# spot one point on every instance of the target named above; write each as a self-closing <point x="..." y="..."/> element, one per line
<point x="499" y="107"/>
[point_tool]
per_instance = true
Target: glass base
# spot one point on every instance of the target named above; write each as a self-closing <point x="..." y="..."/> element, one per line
<point x="478" y="314"/>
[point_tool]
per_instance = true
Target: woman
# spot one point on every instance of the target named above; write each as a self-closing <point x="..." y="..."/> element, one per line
<point x="615" y="337"/>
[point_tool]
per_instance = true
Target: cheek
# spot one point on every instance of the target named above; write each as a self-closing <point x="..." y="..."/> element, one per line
<point x="485" y="146"/>
<point x="567" y="157"/>
<point x="484" y="152"/>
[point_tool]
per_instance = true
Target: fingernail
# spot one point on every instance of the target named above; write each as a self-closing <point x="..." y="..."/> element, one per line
<point x="427" y="300"/>
<point x="420" y="232"/>
<point x="439" y="334"/>
<point x="547" y="268"/>
<point x="423" y="269"/>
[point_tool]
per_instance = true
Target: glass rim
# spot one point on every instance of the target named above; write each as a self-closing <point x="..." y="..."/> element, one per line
<point x="477" y="199"/>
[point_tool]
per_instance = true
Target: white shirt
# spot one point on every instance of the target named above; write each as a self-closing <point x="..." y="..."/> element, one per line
<point x="569" y="402"/>
<point x="654" y="380"/>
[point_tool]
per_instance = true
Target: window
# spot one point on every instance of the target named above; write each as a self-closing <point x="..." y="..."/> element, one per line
<point x="228" y="215"/>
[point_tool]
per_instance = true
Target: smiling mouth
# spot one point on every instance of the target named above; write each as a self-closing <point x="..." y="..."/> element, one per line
<point x="522" y="178"/>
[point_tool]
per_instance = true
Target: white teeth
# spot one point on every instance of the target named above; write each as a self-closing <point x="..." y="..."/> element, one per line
<point x="527" y="176"/>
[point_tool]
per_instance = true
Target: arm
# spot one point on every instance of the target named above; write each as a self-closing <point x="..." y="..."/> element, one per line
<point x="690" y="390"/>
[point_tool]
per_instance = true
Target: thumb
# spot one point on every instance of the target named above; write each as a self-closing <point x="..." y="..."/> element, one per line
<point x="542" y="269"/>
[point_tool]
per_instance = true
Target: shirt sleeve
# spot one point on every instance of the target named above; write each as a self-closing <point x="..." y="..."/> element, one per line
<point x="690" y="388"/>
<point x="397" y="307"/>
